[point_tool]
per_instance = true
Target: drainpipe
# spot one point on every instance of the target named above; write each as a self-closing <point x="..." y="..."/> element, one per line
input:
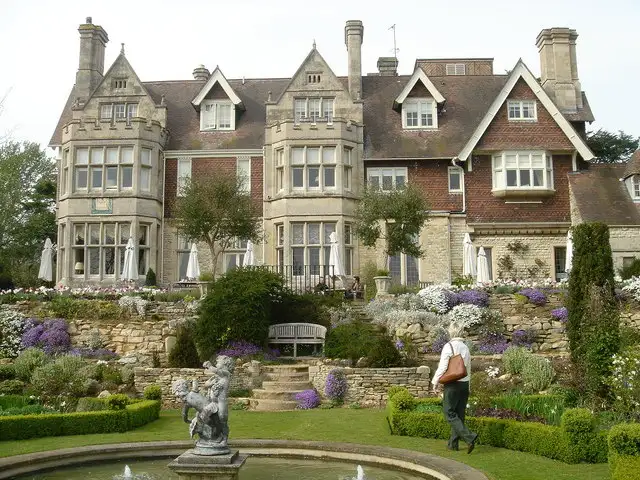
<point x="164" y="185"/>
<point x="264" y="191"/>
<point x="464" y="189"/>
<point x="574" y="161"/>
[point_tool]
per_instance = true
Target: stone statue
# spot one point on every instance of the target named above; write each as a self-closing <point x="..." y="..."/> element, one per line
<point x="210" y="423"/>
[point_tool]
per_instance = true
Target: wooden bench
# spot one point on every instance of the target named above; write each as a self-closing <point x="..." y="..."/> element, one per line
<point x="297" y="334"/>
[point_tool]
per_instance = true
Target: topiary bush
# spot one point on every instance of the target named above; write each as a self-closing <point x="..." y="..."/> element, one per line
<point x="584" y="442"/>
<point x="624" y="451"/>
<point x="117" y="401"/>
<point x="184" y="353"/>
<point x="394" y="389"/>
<point x="383" y="353"/>
<point x="593" y="322"/>
<point x="150" y="279"/>
<point x="239" y="306"/>
<point x="350" y="341"/>
<point x="152" y="392"/>
<point x="537" y="373"/>
<point x="28" y="361"/>
<point x="514" y="358"/>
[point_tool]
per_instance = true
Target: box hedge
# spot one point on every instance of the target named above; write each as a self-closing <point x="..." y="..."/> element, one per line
<point x="576" y="440"/>
<point x="624" y="452"/>
<point x="21" y="427"/>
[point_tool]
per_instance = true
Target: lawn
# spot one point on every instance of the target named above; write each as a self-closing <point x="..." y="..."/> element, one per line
<point x="364" y="426"/>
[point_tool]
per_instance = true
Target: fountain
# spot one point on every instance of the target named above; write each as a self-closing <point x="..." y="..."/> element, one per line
<point x="127" y="472"/>
<point x="211" y="458"/>
<point x="360" y="472"/>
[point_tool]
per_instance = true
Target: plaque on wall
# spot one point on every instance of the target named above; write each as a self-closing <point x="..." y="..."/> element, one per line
<point x="101" y="206"/>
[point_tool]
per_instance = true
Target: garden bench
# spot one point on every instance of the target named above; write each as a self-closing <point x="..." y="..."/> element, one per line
<point x="297" y="334"/>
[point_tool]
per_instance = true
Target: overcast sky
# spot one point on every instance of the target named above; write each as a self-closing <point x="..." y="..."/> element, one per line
<point x="166" y="40"/>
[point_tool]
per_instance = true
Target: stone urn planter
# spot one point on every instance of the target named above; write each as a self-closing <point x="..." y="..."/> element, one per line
<point x="382" y="285"/>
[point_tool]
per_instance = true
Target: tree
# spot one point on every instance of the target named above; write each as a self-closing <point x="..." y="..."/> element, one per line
<point x="217" y="211"/>
<point x="593" y="324"/>
<point x="27" y="203"/>
<point x="611" y="147"/>
<point x="395" y="216"/>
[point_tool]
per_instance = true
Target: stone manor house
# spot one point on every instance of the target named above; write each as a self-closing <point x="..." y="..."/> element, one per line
<point x="501" y="156"/>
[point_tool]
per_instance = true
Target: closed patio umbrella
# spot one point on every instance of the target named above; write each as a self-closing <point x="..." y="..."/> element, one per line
<point x="483" y="267"/>
<point x="568" y="262"/>
<point x="46" y="262"/>
<point x="468" y="257"/>
<point x="336" y="267"/>
<point x="193" y="267"/>
<point x="130" y="265"/>
<point x="249" y="260"/>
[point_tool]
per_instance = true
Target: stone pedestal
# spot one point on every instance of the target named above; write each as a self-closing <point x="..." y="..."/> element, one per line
<point x="190" y="466"/>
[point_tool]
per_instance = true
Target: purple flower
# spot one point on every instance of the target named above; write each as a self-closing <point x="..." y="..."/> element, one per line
<point x="561" y="314"/>
<point x="55" y="341"/>
<point x="335" y="387"/>
<point x="439" y="343"/>
<point x="399" y="344"/>
<point x="474" y="297"/>
<point x="307" y="399"/>
<point x="240" y="348"/>
<point x="535" y="296"/>
<point x="523" y="338"/>
<point x="32" y="334"/>
<point x="493" y="343"/>
<point x="50" y="335"/>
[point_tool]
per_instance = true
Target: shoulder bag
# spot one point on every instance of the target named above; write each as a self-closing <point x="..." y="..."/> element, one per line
<point x="455" y="370"/>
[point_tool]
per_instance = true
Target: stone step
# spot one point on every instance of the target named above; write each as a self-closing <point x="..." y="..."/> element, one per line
<point x="287" y="377"/>
<point x="285" y="386"/>
<point x="291" y="368"/>
<point x="261" y="394"/>
<point x="271" y="405"/>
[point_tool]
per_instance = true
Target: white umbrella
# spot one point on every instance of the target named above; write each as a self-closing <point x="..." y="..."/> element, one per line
<point x="46" y="262"/>
<point x="249" y="260"/>
<point x="193" y="267"/>
<point x="130" y="266"/>
<point x="568" y="262"/>
<point x="483" y="267"/>
<point x="468" y="257"/>
<point x="335" y="259"/>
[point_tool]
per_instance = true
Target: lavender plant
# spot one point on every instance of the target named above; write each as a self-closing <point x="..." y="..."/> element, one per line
<point x="335" y="387"/>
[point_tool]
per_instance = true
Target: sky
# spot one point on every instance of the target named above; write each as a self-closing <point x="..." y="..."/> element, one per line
<point x="166" y="40"/>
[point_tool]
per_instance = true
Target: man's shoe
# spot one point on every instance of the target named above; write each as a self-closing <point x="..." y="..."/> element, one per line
<point x="454" y="449"/>
<point x="472" y="445"/>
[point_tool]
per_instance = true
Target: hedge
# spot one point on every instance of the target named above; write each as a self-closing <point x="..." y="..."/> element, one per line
<point x="624" y="452"/>
<point x="20" y="427"/>
<point x="576" y="440"/>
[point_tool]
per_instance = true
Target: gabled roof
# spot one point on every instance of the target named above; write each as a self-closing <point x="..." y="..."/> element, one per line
<point x="121" y="60"/>
<point x="600" y="196"/>
<point x="418" y="75"/>
<point x="217" y="77"/>
<point x="633" y="165"/>
<point x="518" y="72"/>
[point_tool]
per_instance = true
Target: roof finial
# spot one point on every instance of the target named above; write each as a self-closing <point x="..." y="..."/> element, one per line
<point x="163" y="100"/>
<point x="314" y="43"/>
<point x="269" y="96"/>
<point x="122" y="49"/>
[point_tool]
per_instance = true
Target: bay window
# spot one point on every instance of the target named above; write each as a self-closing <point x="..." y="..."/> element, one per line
<point x="98" y="248"/>
<point x="145" y="169"/>
<point x="98" y="168"/>
<point x="347" y="168"/>
<point x="313" y="168"/>
<point x="419" y="113"/>
<point x="310" y="245"/>
<point x="524" y="171"/>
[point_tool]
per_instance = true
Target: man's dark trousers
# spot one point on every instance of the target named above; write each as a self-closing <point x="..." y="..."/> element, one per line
<point x="454" y="404"/>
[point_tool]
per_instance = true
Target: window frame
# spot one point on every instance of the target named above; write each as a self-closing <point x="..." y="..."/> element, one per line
<point x="635" y="187"/>
<point x="302" y="105"/>
<point x="307" y="164"/>
<point x="501" y="170"/>
<point x="453" y="69"/>
<point x="323" y="247"/>
<point x="431" y="109"/>
<point x="456" y="171"/>
<point x="181" y="180"/>
<point x="520" y="104"/>
<point x="243" y="167"/>
<point x="216" y="104"/>
<point x="378" y="172"/>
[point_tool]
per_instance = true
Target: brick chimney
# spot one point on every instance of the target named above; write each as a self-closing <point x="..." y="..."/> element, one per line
<point x="93" y="40"/>
<point x="353" y="33"/>
<point x="388" y="66"/>
<point x="559" y="67"/>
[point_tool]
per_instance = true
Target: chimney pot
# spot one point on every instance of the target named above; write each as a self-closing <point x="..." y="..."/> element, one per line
<point x="89" y="20"/>
<point x="201" y="73"/>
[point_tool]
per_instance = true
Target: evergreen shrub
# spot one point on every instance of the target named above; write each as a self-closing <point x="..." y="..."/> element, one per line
<point x="119" y="401"/>
<point x="91" y="404"/>
<point x="624" y="451"/>
<point x="153" y="392"/>
<point x="184" y="353"/>
<point x="350" y="341"/>
<point x="150" y="279"/>
<point x="11" y="387"/>
<point x="7" y="372"/>
<point x="383" y="353"/>
<point x="28" y="361"/>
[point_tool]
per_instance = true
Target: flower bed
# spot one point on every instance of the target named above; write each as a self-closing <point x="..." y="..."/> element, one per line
<point x="575" y="440"/>
<point x="19" y="427"/>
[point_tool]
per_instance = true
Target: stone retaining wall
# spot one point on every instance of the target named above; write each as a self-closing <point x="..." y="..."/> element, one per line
<point x="368" y="386"/>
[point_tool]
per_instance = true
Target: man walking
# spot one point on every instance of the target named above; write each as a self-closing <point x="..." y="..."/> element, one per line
<point x="456" y="394"/>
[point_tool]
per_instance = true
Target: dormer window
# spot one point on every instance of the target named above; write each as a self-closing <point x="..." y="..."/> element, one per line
<point x="313" y="110"/>
<point x="456" y="69"/>
<point x="636" y="187"/>
<point x="522" y="110"/>
<point x="419" y="113"/>
<point x="217" y="115"/>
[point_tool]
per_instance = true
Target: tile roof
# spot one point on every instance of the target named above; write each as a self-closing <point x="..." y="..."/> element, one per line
<point x="600" y="196"/>
<point x="633" y="165"/>
<point x="467" y="100"/>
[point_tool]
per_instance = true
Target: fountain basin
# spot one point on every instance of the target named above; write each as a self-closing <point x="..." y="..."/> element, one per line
<point x="412" y="462"/>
